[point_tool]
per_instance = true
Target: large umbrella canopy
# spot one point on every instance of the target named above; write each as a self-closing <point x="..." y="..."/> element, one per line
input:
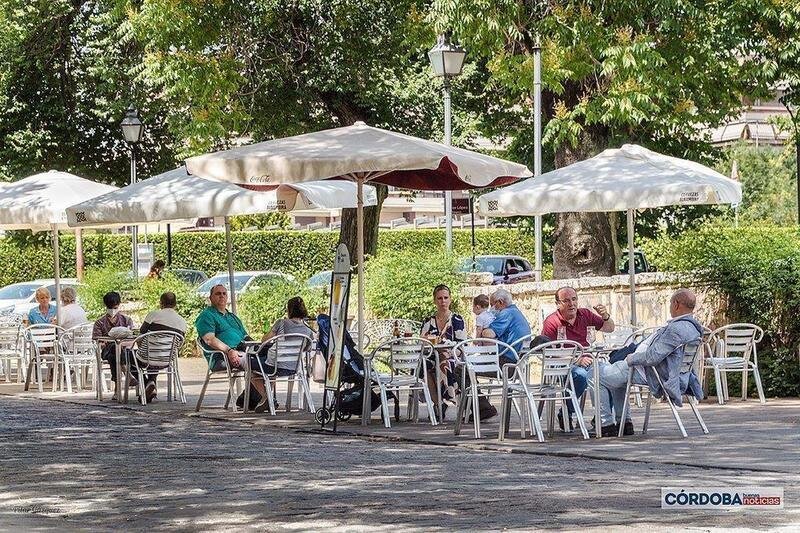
<point x="39" y="202"/>
<point x="631" y="177"/>
<point x="622" y="179"/>
<point x="175" y="195"/>
<point x="360" y="153"/>
<point x="380" y="155"/>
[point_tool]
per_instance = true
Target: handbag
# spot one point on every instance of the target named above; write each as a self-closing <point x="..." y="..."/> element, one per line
<point x="318" y="368"/>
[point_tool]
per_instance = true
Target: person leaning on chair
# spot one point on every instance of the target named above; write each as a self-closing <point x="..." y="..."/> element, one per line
<point x="163" y="319"/>
<point x="661" y="352"/>
<point x="112" y="319"/>
<point x="576" y="322"/>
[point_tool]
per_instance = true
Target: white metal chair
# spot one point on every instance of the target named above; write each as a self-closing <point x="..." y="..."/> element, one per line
<point x="480" y="359"/>
<point x="733" y="349"/>
<point x="155" y="352"/>
<point x="12" y="353"/>
<point x="79" y="355"/>
<point x="43" y="349"/>
<point x="619" y="337"/>
<point x="379" y="330"/>
<point x="219" y="368"/>
<point x="288" y="350"/>
<point x="690" y="352"/>
<point x="402" y="368"/>
<point x="554" y="385"/>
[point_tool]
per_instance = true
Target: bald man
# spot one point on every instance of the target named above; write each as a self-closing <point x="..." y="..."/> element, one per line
<point x="662" y="352"/>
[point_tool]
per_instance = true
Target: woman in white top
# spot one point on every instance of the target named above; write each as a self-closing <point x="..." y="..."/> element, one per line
<point x="72" y="314"/>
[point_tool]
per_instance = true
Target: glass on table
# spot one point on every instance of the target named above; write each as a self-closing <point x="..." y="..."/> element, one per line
<point x="561" y="334"/>
<point x="591" y="335"/>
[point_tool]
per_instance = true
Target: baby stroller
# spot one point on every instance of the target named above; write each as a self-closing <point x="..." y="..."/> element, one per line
<point x="351" y="393"/>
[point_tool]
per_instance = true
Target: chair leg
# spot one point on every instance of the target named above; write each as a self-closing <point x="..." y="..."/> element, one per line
<point x="725" y="385"/>
<point x="289" y="389"/>
<point x="744" y="383"/>
<point x="505" y="415"/>
<point x="579" y="413"/>
<point x="533" y="417"/>
<point x="696" y="411"/>
<point x="462" y="407"/>
<point x="39" y="378"/>
<point x="677" y="416"/>
<point x="270" y="396"/>
<point x="757" y="378"/>
<point x="476" y="415"/>
<point x="718" y="385"/>
<point x="203" y="393"/>
<point x="68" y="377"/>
<point x="625" y="404"/>
<point x="647" y="412"/>
<point x="387" y="418"/>
<point x="28" y="374"/>
<point x="428" y="404"/>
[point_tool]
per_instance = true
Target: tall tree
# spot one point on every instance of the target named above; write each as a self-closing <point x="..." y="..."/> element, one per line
<point x="614" y="71"/>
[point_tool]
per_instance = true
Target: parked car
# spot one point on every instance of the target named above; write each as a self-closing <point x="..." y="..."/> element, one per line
<point x="504" y="268"/>
<point x="640" y="263"/>
<point x="19" y="298"/>
<point x="188" y="275"/>
<point x="242" y="281"/>
<point x="320" y="279"/>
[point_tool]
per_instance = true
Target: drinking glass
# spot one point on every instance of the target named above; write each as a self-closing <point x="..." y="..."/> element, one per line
<point x="591" y="335"/>
<point x="561" y="335"/>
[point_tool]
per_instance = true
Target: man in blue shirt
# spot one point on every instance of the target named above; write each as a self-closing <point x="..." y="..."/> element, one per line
<point x="509" y="324"/>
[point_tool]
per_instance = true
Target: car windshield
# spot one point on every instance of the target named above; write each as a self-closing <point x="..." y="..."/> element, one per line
<point x="18" y="291"/>
<point x="485" y="264"/>
<point x="239" y="281"/>
<point x="320" y="278"/>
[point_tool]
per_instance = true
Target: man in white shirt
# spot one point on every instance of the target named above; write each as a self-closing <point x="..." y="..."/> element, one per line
<point x="164" y="319"/>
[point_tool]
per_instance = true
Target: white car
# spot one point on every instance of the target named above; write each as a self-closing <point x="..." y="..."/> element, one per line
<point x="242" y="281"/>
<point x="20" y="298"/>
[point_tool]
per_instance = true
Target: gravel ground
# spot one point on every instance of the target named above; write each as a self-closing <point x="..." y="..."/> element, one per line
<point x="65" y="466"/>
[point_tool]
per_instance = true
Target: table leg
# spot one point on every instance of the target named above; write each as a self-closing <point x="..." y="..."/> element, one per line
<point x="118" y="362"/>
<point x="99" y="373"/>
<point x="598" y="428"/>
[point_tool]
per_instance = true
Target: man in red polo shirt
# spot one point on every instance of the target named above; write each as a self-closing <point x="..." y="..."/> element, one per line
<point x="576" y="321"/>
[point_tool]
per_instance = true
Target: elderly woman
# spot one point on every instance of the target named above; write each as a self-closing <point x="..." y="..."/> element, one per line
<point x="72" y="314"/>
<point x="444" y="325"/>
<point x="44" y="313"/>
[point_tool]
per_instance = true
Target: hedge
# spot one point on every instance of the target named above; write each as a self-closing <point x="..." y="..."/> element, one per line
<point x="300" y="253"/>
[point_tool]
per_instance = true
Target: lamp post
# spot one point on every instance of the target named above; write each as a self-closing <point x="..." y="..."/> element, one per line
<point x="447" y="60"/>
<point x="132" y="131"/>
<point x="785" y="100"/>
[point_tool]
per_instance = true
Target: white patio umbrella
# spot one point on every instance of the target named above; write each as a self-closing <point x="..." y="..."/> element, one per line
<point x="621" y="179"/>
<point x="39" y="203"/>
<point x="359" y="153"/>
<point x="175" y="195"/>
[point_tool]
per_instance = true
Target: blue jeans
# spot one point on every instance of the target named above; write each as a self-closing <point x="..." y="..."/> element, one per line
<point x="580" y="379"/>
<point x="613" y="379"/>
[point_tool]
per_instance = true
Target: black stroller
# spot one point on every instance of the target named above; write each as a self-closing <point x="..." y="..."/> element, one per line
<point x="351" y="394"/>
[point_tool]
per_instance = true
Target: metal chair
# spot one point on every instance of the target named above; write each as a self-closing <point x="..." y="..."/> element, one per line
<point x="79" y="354"/>
<point x="379" y="330"/>
<point x="690" y="353"/>
<point x="156" y="352"/>
<point x="219" y="368"/>
<point x="403" y="359"/>
<point x="286" y="350"/>
<point x="554" y="385"/>
<point x="733" y="349"/>
<point x="619" y="337"/>
<point x="12" y="352"/>
<point x="480" y="359"/>
<point x="43" y="347"/>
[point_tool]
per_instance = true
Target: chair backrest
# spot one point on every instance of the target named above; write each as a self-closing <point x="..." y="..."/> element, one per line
<point x="690" y="353"/>
<point x="403" y="355"/>
<point x="77" y="341"/>
<point x="556" y="359"/>
<point x="382" y="329"/>
<point x="211" y="355"/>
<point x="640" y="334"/>
<point x="545" y="310"/>
<point x="9" y="337"/>
<point x="618" y="337"/>
<point x="482" y="356"/>
<point x="738" y="340"/>
<point x="290" y="349"/>
<point x="157" y="348"/>
<point x="43" y="336"/>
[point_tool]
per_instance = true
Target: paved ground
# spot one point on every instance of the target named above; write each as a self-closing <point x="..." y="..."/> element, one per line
<point x="68" y="463"/>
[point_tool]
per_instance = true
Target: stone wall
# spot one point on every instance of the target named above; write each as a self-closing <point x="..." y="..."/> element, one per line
<point x="536" y="299"/>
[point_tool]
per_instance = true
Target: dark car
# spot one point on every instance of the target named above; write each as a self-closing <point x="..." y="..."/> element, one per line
<point x="504" y="268"/>
<point x="640" y="263"/>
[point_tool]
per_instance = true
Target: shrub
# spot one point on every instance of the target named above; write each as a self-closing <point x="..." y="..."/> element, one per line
<point x="98" y="282"/>
<point x="400" y="285"/>
<point x="262" y="307"/>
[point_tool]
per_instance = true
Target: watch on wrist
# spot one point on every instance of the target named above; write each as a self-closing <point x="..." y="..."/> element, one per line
<point x="607" y="318"/>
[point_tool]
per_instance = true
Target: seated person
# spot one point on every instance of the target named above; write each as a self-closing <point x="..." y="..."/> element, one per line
<point x="575" y="322"/>
<point x="444" y="325"/>
<point x="483" y="316"/>
<point x="112" y="319"/>
<point x="163" y="319"/>
<point x="44" y="313"/>
<point x="72" y="314"/>
<point x="662" y="352"/>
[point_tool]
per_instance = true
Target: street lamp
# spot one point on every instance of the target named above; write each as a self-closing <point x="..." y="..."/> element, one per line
<point x="785" y="100"/>
<point x="447" y="60"/>
<point x="132" y="131"/>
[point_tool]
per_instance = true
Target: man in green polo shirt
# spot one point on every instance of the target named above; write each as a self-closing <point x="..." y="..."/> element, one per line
<point x="220" y="329"/>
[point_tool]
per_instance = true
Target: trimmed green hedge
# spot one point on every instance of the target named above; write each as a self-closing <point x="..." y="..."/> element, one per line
<point x="300" y="253"/>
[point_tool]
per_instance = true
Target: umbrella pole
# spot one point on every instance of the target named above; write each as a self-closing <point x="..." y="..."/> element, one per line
<point x="57" y="270"/>
<point x="537" y="146"/>
<point x="169" y="246"/>
<point x="229" y="254"/>
<point x="472" y="229"/>
<point x="79" y="263"/>
<point x="631" y="267"/>
<point x="360" y="235"/>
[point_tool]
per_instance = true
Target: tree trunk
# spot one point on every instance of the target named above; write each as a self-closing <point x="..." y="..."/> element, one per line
<point x="349" y="230"/>
<point x="584" y="241"/>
